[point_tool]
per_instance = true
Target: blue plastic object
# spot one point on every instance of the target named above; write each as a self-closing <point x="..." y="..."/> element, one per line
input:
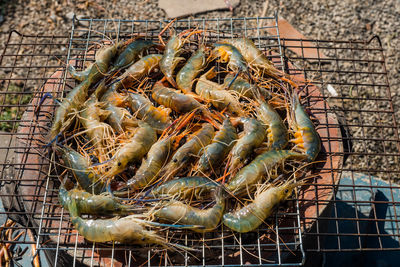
<point x="353" y="189"/>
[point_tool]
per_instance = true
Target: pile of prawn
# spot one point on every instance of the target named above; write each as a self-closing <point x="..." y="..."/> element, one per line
<point x="155" y="138"/>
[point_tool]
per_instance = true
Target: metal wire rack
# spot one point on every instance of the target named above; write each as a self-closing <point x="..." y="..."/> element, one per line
<point x="364" y="136"/>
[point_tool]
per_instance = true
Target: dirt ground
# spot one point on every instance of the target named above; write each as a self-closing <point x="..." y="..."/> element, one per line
<point x="324" y="19"/>
<point x="318" y="19"/>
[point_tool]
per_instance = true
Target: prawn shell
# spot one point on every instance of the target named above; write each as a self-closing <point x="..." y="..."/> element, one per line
<point x="87" y="203"/>
<point x="112" y="97"/>
<point x="185" y="187"/>
<point x="220" y="147"/>
<point x="72" y="101"/>
<point x="131" y="53"/>
<point x="187" y="74"/>
<point x="80" y="168"/>
<point x="79" y="75"/>
<point x="252" y="173"/>
<point x="103" y="59"/>
<point x="134" y="150"/>
<point x="75" y="98"/>
<point x="244" y="88"/>
<point x="191" y="148"/>
<point x="178" y="212"/>
<point x="120" y="119"/>
<point x="125" y="230"/>
<point x="254" y="134"/>
<point x="137" y="70"/>
<point x="91" y="118"/>
<point x="157" y="118"/>
<point x="220" y="99"/>
<point x="277" y="133"/>
<point x="249" y="51"/>
<point x="174" y="100"/>
<point x="251" y="216"/>
<point x="150" y="167"/>
<point x="170" y="58"/>
<point x="231" y="55"/>
<point x="305" y="133"/>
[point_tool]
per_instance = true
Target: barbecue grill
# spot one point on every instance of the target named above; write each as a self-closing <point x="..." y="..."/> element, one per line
<point x="344" y="87"/>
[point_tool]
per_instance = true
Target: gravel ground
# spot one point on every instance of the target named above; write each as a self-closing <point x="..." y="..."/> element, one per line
<point x="323" y="19"/>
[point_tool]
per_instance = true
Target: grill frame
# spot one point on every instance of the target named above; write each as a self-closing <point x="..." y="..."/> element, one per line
<point x="282" y="55"/>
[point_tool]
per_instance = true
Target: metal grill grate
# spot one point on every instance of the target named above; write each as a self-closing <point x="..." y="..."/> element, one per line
<point x="31" y="65"/>
<point x="352" y="78"/>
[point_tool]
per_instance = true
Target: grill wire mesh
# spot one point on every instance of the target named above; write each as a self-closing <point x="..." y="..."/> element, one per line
<point x="362" y="101"/>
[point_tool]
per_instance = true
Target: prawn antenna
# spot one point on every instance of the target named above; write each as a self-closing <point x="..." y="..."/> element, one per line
<point x="179" y="226"/>
<point x="55" y="139"/>
<point x="43" y="98"/>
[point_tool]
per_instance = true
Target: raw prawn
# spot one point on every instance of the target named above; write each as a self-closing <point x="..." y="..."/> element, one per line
<point x="256" y="58"/>
<point x="132" y="151"/>
<point x="126" y="230"/>
<point x="276" y="133"/>
<point x="170" y="58"/>
<point x="80" y="167"/>
<point x="155" y="160"/>
<point x="177" y="212"/>
<point x="229" y="54"/>
<point x="219" y="148"/>
<point x="187" y="74"/>
<point x="221" y="99"/>
<point x="184" y="187"/>
<point x="136" y="71"/>
<point x="174" y="100"/>
<point x="306" y="137"/>
<point x="252" y="215"/>
<point x="254" y="172"/>
<point x="156" y="117"/>
<point x="244" y="88"/>
<point x="92" y="117"/>
<point x="75" y="99"/>
<point x="252" y="136"/>
<point x="120" y="119"/>
<point x="191" y="148"/>
<point x="130" y="54"/>
<point x="87" y="203"/>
